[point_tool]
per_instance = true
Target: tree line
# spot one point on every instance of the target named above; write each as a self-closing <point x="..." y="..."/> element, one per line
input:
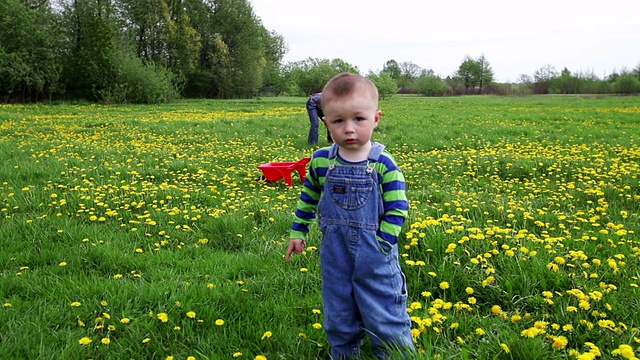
<point x="153" y="51"/>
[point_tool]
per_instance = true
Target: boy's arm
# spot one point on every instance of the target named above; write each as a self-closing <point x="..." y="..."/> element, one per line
<point x="305" y="213"/>
<point x="394" y="196"/>
<point x="307" y="205"/>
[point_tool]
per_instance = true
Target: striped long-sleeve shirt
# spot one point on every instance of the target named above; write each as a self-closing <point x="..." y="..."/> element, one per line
<point x="393" y="190"/>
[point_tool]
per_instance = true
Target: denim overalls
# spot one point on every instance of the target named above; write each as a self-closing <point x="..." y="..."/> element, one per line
<point x="363" y="287"/>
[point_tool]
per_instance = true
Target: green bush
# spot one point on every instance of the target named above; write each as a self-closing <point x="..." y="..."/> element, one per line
<point x="627" y="84"/>
<point x="431" y="86"/>
<point x="140" y="83"/>
<point x="387" y="87"/>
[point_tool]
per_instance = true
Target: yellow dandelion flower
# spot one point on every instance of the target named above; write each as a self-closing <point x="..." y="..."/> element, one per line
<point x="625" y="351"/>
<point x="496" y="309"/>
<point x="105" y="341"/>
<point x="260" y="357"/>
<point x="125" y="320"/>
<point x="504" y="347"/>
<point x="191" y="314"/>
<point x="163" y="317"/>
<point x="219" y="322"/>
<point x="444" y="285"/>
<point x="559" y="342"/>
<point x="480" y="331"/>
<point x="317" y="326"/>
<point x="237" y="354"/>
<point x="63" y="263"/>
<point x="76" y="304"/>
<point x="469" y="290"/>
<point x="146" y="340"/>
<point x="584" y="305"/>
<point x="84" y="341"/>
<point x="266" y="335"/>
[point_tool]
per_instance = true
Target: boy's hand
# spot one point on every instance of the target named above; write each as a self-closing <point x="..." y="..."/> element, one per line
<point x="295" y="245"/>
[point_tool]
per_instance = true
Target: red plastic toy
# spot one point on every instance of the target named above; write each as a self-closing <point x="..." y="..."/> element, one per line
<point x="275" y="171"/>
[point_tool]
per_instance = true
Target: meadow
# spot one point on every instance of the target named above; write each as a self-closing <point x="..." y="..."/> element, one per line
<point x="146" y="232"/>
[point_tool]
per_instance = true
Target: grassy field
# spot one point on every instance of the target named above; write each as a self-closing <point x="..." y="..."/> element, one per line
<point x="145" y="232"/>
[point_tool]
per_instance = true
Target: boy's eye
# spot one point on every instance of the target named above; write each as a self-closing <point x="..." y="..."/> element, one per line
<point x="337" y="121"/>
<point x="359" y="118"/>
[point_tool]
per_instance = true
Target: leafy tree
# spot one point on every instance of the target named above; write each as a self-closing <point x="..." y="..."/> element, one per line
<point x="475" y="73"/>
<point x="162" y="33"/>
<point x="183" y="42"/>
<point x="564" y="84"/>
<point x="466" y="72"/>
<point x="275" y="48"/>
<point x="636" y="71"/>
<point x="310" y="75"/>
<point x="542" y="79"/>
<point x="145" y="23"/>
<point x="484" y="72"/>
<point x="387" y="87"/>
<point x="242" y="33"/>
<point x="409" y="72"/>
<point x="392" y="68"/>
<point x="90" y="55"/>
<point x="29" y="42"/>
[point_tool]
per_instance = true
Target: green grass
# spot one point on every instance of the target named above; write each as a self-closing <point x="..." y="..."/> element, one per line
<point x="521" y="243"/>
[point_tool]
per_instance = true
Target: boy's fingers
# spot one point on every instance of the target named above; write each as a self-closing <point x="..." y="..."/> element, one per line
<point x="287" y="257"/>
<point x="294" y="247"/>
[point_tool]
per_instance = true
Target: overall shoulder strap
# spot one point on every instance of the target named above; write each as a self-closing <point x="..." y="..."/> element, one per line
<point x="333" y="151"/>
<point x="376" y="151"/>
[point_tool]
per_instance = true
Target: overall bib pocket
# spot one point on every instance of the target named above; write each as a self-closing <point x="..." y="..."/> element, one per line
<point x="350" y="194"/>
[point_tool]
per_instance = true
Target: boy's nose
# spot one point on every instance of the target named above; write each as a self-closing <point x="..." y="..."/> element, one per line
<point x="348" y="127"/>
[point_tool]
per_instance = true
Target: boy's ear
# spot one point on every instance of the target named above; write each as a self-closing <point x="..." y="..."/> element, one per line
<point x="324" y="120"/>
<point x="377" y="118"/>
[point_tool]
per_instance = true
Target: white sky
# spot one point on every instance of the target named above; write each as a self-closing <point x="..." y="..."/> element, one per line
<point x="516" y="37"/>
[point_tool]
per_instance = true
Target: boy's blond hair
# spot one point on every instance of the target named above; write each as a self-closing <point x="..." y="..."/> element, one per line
<point x="345" y="85"/>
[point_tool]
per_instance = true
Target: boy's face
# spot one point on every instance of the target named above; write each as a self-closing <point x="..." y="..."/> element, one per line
<point x="351" y="120"/>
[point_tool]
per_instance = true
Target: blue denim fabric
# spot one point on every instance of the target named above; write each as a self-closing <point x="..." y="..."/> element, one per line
<point x="363" y="287"/>
<point x="313" y="128"/>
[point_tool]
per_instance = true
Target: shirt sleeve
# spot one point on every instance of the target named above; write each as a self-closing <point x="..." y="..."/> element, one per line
<point x="394" y="197"/>
<point x="307" y="203"/>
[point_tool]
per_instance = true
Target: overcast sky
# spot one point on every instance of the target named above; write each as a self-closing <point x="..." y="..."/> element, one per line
<point x="516" y="37"/>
